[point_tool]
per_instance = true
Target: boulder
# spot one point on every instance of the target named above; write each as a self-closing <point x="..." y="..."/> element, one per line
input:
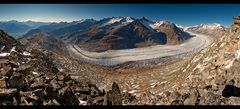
<point x="50" y="92"/>
<point x="60" y="77"/>
<point x="16" y="81"/>
<point x="6" y="70"/>
<point x="38" y="83"/>
<point x="40" y="94"/>
<point x="116" y="95"/>
<point x="128" y="96"/>
<point x="98" y="100"/>
<point x="220" y="80"/>
<point x="212" y="99"/>
<point x="8" y="92"/>
<point x="3" y="82"/>
<point x="192" y="98"/>
<point x="94" y="92"/>
<point x="83" y="90"/>
<point x="55" y="85"/>
<point x="177" y="102"/>
<point x="69" y="98"/>
<point x="175" y="96"/>
<point x="107" y="100"/>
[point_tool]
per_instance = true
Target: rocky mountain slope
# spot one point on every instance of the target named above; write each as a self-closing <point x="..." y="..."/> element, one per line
<point x="209" y="78"/>
<point x="133" y="35"/>
<point x="45" y="41"/>
<point x="174" y="33"/>
<point x="114" y="33"/>
<point x="29" y="77"/>
<point x="126" y="32"/>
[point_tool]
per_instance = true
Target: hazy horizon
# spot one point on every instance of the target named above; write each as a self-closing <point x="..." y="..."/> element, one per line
<point x="182" y="14"/>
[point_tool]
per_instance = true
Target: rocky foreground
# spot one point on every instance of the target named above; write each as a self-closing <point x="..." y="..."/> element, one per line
<point x="29" y="77"/>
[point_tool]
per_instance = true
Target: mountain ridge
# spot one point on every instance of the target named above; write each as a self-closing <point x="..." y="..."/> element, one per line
<point x="215" y="30"/>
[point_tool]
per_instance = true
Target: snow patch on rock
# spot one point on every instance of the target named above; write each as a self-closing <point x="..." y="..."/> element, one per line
<point x="221" y="45"/>
<point x="82" y="102"/>
<point x="4" y="54"/>
<point x="198" y="66"/>
<point x="13" y="49"/>
<point x="2" y="48"/>
<point x="237" y="54"/>
<point x="132" y="91"/>
<point x="26" y="53"/>
<point x="196" y="59"/>
<point x="229" y="64"/>
<point x="35" y="73"/>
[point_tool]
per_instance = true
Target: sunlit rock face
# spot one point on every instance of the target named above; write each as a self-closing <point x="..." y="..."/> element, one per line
<point x="235" y="27"/>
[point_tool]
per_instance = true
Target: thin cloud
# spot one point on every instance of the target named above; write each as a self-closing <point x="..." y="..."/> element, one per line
<point x="44" y="19"/>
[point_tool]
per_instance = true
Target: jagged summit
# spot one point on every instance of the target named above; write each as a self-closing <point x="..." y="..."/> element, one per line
<point x="145" y="20"/>
<point x="120" y="20"/>
<point x="165" y="22"/>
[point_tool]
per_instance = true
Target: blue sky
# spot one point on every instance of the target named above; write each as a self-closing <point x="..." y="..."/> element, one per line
<point x="183" y="14"/>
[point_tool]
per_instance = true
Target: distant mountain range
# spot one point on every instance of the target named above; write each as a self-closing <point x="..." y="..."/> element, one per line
<point x="215" y="30"/>
<point x="18" y="29"/>
<point x="110" y="33"/>
<point x="62" y="28"/>
<point x="114" y="33"/>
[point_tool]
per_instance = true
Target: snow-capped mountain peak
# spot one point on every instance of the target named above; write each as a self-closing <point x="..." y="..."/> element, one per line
<point x="164" y="22"/>
<point x="122" y="20"/>
<point x="212" y="26"/>
<point x="115" y="19"/>
<point x="213" y="29"/>
<point x="180" y="26"/>
<point x="82" y="20"/>
<point x="79" y="21"/>
<point x="127" y="19"/>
